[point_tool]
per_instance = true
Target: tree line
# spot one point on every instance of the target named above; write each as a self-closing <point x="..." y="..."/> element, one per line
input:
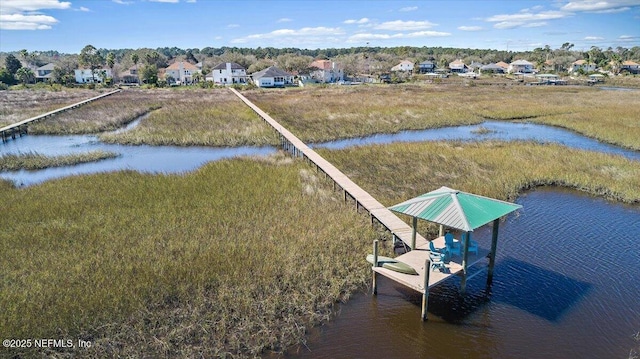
<point x="354" y="61"/>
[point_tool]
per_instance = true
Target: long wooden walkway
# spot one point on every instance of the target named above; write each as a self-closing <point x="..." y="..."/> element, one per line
<point x="417" y="258"/>
<point x="20" y="128"/>
<point x="363" y="199"/>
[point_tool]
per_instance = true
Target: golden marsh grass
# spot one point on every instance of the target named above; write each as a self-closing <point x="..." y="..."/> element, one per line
<point x="322" y="114"/>
<point x="230" y="260"/>
<point x="35" y="161"/>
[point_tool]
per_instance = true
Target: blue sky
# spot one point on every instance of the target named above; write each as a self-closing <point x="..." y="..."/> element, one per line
<point x="68" y="25"/>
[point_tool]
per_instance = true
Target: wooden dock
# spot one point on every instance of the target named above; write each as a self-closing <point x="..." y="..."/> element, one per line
<point x="20" y="128"/>
<point x="418" y="257"/>
<point x="362" y="198"/>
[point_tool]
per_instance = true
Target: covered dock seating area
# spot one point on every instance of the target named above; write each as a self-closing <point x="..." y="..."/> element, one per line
<point x="444" y="256"/>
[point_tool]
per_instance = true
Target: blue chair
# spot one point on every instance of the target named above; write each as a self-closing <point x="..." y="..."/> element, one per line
<point x="437" y="261"/>
<point x="473" y="245"/>
<point x="433" y="248"/>
<point x="452" y="247"/>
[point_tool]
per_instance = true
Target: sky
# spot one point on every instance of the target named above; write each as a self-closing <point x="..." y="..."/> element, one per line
<point x="69" y="25"/>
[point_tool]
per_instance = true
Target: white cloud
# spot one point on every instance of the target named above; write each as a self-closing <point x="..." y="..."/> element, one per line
<point x="627" y="38"/>
<point x="26" y="22"/>
<point x="593" y="38"/>
<point x="528" y="16"/>
<point x="16" y="6"/>
<point x="469" y="28"/>
<point x="231" y="26"/>
<point x="284" y="19"/>
<point x="82" y="8"/>
<point x="121" y="2"/>
<point x="364" y="20"/>
<point x="368" y="36"/>
<point x="401" y="25"/>
<point x="25" y="15"/>
<point x="535" y="24"/>
<point x="166" y="1"/>
<point x="600" y="5"/>
<point x="312" y="34"/>
<point x="409" y="8"/>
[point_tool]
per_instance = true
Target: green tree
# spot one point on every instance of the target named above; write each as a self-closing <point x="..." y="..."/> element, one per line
<point x="25" y="75"/>
<point x="150" y="74"/>
<point x="91" y="58"/>
<point x="63" y="71"/>
<point x="6" y="77"/>
<point x="12" y="64"/>
<point x="111" y="60"/>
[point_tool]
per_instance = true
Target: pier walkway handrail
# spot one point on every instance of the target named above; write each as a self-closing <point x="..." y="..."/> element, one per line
<point x="388" y="219"/>
<point x="50" y="113"/>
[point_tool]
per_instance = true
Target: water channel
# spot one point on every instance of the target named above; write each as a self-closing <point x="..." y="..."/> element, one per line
<point x="566" y="282"/>
<point x="565" y="286"/>
<point x="176" y="159"/>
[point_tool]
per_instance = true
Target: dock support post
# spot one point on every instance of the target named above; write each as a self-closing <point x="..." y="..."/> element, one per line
<point x="465" y="254"/>
<point x="414" y="226"/>
<point x="492" y="254"/>
<point x="374" y="286"/>
<point x="441" y="231"/>
<point x="425" y="293"/>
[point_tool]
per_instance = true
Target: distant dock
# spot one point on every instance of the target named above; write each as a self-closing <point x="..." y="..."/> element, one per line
<point x="21" y="128"/>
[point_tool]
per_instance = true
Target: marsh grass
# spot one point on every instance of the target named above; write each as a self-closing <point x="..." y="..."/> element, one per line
<point x="396" y="172"/>
<point x="35" y="161"/>
<point x="235" y="259"/>
<point x="322" y="114"/>
<point x="18" y="105"/>
<point x="213" y="117"/>
<point x="105" y="114"/>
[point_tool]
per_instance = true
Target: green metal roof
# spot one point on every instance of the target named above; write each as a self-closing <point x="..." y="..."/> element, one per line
<point x="455" y="209"/>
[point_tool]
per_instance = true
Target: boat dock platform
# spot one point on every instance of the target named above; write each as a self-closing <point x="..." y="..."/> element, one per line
<point x="418" y="258"/>
<point x="20" y="128"/>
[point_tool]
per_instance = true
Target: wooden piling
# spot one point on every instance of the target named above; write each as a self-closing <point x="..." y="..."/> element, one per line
<point x="425" y="293"/>
<point x="465" y="256"/>
<point x="492" y="254"/>
<point x="374" y="285"/>
<point x="414" y="225"/>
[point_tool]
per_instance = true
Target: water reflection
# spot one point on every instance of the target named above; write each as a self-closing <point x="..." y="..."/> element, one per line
<point x="152" y="159"/>
<point x="565" y="286"/>
<point x="173" y="159"/>
<point x="489" y="130"/>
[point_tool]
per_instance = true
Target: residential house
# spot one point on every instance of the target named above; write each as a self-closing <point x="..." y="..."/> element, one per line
<point x="582" y="65"/>
<point x="520" y="66"/>
<point x="492" y="68"/>
<point x="272" y="77"/>
<point x="181" y="72"/>
<point x="475" y="66"/>
<point x="426" y="67"/>
<point x="326" y="71"/>
<point x="227" y="73"/>
<point x="131" y="75"/>
<point x="630" y="66"/>
<point x="458" y="66"/>
<point x="504" y="65"/>
<point x="86" y="76"/>
<point x="43" y="73"/>
<point x="404" y="66"/>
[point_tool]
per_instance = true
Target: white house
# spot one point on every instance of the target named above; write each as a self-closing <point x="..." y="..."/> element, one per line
<point x="272" y="77"/>
<point x="86" y="76"/>
<point x="405" y="66"/>
<point x="521" y="66"/>
<point x="229" y="73"/>
<point x="458" y="66"/>
<point x="181" y="72"/>
<point x="582" y="64"/>
<point x="43" y="73"/>
<point x="326" y="71"/>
